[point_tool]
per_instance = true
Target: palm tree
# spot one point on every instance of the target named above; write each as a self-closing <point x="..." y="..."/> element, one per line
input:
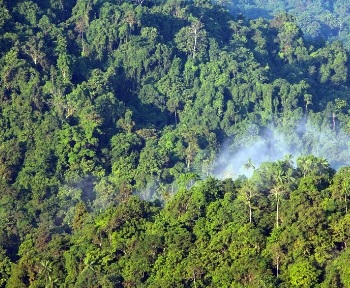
<point x="46" y="270"/>
<point x="311" y="165"/>
<point x="278" y="190"/>
<point x="288" y="158"/>
<point x="52" y="282"/>
<point x="248" y="194"/>
<point x="248" y="166"/>
<point x="248" y="191"/>
<point x="305" y="164"/>
<point x="89" y="265"/>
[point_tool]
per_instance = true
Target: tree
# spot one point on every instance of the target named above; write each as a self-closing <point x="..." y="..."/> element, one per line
<point x="5" y="267"/>
<point x="278" y="190"/>
<point x="249" y="165"/>
<point x="341" y="231"/>
<point x="173" y="88"/>
<point x="192" y="39"/>
<point x="289" y="38"/>
<point x="35" y="49"/>
<point x="126" y="123"/>
<point x="275" y="250"/>
<point x="4" y="15"/>
<point x="341" y="186"/>
<point x="315" y="167"/>
<point x="81" y="19"/>
<point x="308" y="101"/>
<point x="303" y="274"/>
<point x="46" y="271"/>
<point x="79" y="216"/>
<point x="248" y="194"/>
<point x="30" y="11"/>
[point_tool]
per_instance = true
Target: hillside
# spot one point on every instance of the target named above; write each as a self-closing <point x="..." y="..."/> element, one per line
<point x="107" y="104"/>
<point x="320" y="20"/>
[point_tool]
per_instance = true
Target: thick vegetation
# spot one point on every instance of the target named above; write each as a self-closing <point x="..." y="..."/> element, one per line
<point x="318" y="19"/>
<point x="104" y="100"/>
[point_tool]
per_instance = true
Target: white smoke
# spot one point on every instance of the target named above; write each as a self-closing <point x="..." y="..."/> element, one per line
<point x="270" y="144"/>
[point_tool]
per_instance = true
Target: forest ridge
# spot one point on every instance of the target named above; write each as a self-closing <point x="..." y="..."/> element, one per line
<point x="107" y="103"/>
<point x="326" y="20"/>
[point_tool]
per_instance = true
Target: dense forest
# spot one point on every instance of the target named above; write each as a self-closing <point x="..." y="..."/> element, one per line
<point x="326" y="20"/>
<point x="125" y="126"/>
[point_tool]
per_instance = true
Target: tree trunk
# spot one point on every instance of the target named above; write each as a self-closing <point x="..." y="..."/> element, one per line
<point x="195" y="43"/>
<point x="188" y="158"/>
<point x="346" y="204"/>
<point x="250" y="213"/>
<point x="175" y="115"/>
<point x="277" y="211"/>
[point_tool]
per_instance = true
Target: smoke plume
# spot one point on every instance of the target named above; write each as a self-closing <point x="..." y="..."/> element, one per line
<point x="273" y="143"/>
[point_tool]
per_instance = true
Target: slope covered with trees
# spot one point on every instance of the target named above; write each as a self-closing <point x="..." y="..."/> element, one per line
<point x="319" y="19"/>
<point x="105" y="100"/>
<point x="283" y="227"/>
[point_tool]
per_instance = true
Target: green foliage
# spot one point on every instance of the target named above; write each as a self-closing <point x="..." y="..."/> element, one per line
<point x="318" y="19"/>
<point x="107" y="104"/>
<point x="303" y="274"/>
